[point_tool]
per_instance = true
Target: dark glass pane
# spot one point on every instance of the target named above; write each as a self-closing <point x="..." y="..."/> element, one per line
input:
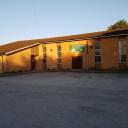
<point x="97" y="45"/>
<point x="59" y="54"/>
<point x="97" y="52"/>
<point x="58" y="48"/>
<point x="123" y="58"/>
<point x="97" y="59"/>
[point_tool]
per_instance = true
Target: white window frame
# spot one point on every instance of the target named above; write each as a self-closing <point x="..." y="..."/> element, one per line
<point x="59" y="51"/>
<point x="99" y="49"/>
<point x="121" y="47"/>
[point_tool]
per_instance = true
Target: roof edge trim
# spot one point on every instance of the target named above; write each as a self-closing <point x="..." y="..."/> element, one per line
<point x="79" y="39"/>
<point x="21" y="49"/>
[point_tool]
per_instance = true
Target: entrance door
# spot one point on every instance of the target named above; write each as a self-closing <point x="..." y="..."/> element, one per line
<point x="44" y="64"/>
<point x="77" y="62"/>
<point x="33" y="62"/>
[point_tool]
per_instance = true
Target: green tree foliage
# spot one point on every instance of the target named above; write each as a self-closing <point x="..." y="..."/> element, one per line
<point x="121" y="24"/>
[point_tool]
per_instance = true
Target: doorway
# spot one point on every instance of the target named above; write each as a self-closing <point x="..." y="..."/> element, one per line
<point x="77" y="62"/>
<point x="33" y="62"/>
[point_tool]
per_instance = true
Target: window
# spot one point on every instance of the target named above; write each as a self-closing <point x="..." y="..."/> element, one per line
<point x="97" y="53"/>
<point x="123" y="59"/>
<point x="97" y="45"/>
<point x="59" y="54"/>
<point x="59" y="59"/>
<point x="122" y="50"/>
<point x="97" y="59"/>
<point x="59" y="48"/>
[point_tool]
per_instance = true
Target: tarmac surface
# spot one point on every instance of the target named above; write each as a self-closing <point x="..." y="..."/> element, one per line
<point x="64" y="100"/>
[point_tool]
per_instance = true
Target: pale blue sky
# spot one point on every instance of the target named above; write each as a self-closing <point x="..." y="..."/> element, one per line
<point x="32" y="19"/>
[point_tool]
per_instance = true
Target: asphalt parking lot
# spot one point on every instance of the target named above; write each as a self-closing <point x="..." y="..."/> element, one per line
<point x="64" y="100"/>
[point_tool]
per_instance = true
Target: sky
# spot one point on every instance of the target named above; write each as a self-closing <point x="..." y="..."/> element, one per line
<point x="35" y="19"/>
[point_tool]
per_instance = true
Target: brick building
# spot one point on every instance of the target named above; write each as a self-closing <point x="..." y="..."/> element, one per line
<point x="106" y="50"/>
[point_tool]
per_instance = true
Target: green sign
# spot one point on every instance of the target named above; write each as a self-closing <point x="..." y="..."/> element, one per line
<point x="77" y="48"/>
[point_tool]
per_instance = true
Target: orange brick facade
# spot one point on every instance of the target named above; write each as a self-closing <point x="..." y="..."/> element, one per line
<point x="34" y="58"/>
<point x="109" y="55"/>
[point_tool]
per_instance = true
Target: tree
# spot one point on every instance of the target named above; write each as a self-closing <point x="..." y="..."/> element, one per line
<point x="118" y="25"/>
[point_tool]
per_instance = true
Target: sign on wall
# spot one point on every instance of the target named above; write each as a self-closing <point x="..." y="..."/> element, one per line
<point x="77" y="48"/>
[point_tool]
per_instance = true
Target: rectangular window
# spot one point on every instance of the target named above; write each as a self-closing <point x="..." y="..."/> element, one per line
<point x="59" y="48"/>
<point x="122" y="50"/>
<point x="97" y="59"/>
<point x="59" y="54"/>
<point x="97" y="52"/>
<point x="59" y="61"/>
<point x="97" y="45"/>
<point x="123" y="58"/>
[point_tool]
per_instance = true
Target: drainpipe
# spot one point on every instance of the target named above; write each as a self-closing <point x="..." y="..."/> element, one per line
<point x="87" y="57"/>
